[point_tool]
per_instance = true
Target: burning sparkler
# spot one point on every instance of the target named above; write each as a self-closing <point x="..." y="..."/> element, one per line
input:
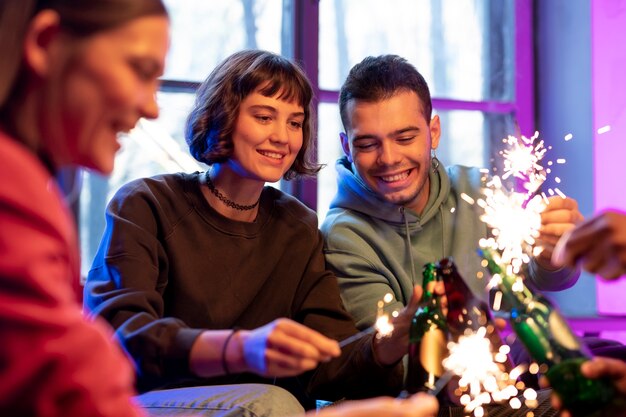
<point x="514" y="217"/>
<point x="383" y="325"/>
<point x="482" y="379"/>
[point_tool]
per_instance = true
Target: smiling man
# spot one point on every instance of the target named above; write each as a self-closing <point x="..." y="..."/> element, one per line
<point x="397" y="207"/>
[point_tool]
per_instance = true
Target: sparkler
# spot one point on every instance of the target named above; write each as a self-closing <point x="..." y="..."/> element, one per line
<point x="357" y="336"/>
<point x="514" y="217"/>
<point x="482" y="379"/>
<point x="382" y="326"/>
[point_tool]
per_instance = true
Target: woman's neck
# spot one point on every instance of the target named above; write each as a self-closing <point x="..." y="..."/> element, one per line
<point x="231" y="195"/>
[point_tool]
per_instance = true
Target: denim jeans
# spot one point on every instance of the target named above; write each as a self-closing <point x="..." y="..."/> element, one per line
<point x="243" y="400"/>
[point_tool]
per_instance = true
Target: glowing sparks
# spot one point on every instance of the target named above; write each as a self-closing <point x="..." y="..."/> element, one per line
<point x="604" y="129"/>
<point x="514" y="226"/>
<point x="383" y="326"/>
<point x="514" y="213"/>
<point x="481" y="377"/>
<point x="522" y="160"/>
<point x="467" y="198"/>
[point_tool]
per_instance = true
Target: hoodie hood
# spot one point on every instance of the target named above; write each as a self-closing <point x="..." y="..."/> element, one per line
<point x="354" y="194"/>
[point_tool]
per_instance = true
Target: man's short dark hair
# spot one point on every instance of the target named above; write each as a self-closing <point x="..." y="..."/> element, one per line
<point x="379" y="78"/>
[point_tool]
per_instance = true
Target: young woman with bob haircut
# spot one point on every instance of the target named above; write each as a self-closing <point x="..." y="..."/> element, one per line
<point x="214" y="281"/>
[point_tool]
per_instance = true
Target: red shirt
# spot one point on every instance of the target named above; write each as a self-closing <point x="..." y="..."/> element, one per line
<point x="53" y="361"/>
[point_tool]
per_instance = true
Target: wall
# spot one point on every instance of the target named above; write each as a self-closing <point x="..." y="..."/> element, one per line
<point x="581" y="89"/>
<point x="564" y="105"/>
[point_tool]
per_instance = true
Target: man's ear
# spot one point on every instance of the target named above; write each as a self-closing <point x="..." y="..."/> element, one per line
<point x="435" y="132"/>
<point x="345" y="145"/>
<point x="39" y="42"/>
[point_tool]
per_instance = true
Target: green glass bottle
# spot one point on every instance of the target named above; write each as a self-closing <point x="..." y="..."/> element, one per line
<point x="427" y="337"/>
<point x="550" y="341"/>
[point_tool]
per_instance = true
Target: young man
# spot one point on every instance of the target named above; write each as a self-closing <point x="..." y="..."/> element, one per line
<point x="398" y="207"/>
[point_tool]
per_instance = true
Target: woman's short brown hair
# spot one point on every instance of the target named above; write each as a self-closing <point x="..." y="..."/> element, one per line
<point x="211" y="123"/>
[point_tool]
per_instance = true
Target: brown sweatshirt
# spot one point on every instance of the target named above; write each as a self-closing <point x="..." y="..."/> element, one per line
<point x="169" y="266"/>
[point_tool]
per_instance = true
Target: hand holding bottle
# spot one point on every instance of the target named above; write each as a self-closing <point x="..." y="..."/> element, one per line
<point x="598" y="368"/>
<point x="428" y="335"/>
<point x="613" y="369"/>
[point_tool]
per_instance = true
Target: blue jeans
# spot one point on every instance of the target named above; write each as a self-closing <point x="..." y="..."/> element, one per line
<point x="242" y="400"/>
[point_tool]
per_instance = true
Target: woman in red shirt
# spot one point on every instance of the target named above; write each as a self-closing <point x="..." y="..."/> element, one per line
<point x="72" y="75"/>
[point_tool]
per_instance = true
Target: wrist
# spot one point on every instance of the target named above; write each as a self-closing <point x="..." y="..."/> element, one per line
<point x="233" y="358"/>
<point x="382" y="351"/>
<point x="211" y="355"/>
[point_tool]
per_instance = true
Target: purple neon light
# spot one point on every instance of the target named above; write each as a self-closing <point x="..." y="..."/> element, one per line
<point x="609" y="109"/>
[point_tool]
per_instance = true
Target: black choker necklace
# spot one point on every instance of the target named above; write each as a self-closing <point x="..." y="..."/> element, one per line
<point x="225" y="200"/>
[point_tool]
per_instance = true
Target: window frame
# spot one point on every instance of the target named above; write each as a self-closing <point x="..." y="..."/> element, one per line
<point x="304" y="49"/>
<point x="522" y="106"/>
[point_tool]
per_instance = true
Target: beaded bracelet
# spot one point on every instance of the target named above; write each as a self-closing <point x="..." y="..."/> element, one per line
<point x="224" y="347"/>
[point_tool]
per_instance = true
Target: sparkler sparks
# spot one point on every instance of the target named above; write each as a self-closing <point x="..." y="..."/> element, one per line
<point x="522" y="160"/>
<point x="514" y="222"/>
<point x="513" y="215"/>
<point x="383" y="325"/>
<point x="482" y="378"/>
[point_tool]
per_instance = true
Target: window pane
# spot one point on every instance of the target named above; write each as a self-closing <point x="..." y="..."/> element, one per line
<point x="464" y="48"/>
<point x="469" y="138"/>
<point x="329" y="150"/>
<point x="204" y="32"/>
<point x="153" y="147"/>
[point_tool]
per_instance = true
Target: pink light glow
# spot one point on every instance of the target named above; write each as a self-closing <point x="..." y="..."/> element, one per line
<point x="609" y="105"/>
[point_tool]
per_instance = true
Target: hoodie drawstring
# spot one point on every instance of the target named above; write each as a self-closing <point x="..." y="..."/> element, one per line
<point x="443" y="233"/>
<point x="408" y="244"/>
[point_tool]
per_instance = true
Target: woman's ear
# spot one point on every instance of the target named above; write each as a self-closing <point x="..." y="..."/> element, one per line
<point x="40" y="41"/>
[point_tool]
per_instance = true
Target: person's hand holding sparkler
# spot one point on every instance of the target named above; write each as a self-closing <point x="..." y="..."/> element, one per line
<point x="560" y="216"/>
<point x="392" y="347"/>
<point x="280" y="348"/>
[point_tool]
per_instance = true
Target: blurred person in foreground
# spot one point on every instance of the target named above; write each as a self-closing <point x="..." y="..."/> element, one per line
<point x="72" y="75"/>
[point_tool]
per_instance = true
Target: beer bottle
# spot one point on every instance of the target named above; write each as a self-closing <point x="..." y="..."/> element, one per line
<point x="427" y="337"/>
<point x="466" y="312"/>
<point x="549" y="340"/>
